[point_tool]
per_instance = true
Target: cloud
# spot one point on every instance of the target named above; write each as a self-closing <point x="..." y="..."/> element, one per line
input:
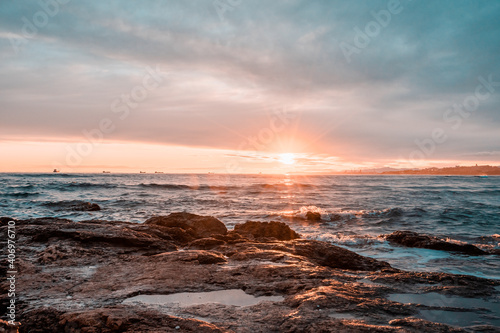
<point x="226" y="76"/>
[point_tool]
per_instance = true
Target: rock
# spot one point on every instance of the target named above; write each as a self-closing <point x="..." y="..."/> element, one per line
<point x="42" y="320"/>
<point x="75" y="205"/>
<point x="80" y="276"/>
<point x="8" y="328"/>
<point x="278" y="230"/>
<point x="56" y="252"/>
<point x="413" y="239"/>
<point x="333" y="256"/>
<point x="206" y="243"/>
<point x="201" y="257"/>
<point x="313" y="216"/>
<point x="112" y="319"/>
<point x="421" y="325"/>
<point x="117" y="234"/>
<point x="179" y="235"/>
<point x="87" y="207"/>
<point x="4" y="220"/>
<point x="201" y="226"/>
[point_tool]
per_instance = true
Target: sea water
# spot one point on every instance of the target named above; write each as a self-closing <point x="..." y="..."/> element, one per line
<point x="356" y="210"/>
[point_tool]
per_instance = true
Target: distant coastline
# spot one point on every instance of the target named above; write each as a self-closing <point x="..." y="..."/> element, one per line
<point x="481" y="170"/>
<point x="477" y="170"/>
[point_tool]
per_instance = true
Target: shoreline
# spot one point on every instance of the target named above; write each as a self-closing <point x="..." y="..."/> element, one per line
<point x="76" y="275"/>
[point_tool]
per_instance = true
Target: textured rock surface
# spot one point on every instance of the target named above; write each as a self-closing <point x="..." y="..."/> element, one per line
<point x="413" y="239"/>
<point x="6" y="327"/>
<point x="277" y="230"/>
<point x="77" y="276"/>
<point x="313" y="216"/>
<point x="200" y="226"/>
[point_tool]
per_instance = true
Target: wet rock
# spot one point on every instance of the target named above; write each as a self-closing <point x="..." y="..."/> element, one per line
<point x="335" y="217"/>
<point x="178" y="235"/>
<point x="55" y="252"/>
<point x="443" y="283"/>
<point x="87" y="207"/>
<point x="74" y="205"/>
<point x="278" y="230"/>
<point x="42" y="320"/>
<point x="420" y="325"/>
<point x="8" y="328"/>
<point x="413" y="239"/>
<point x="201" y="226"/>
<point x="92" y="233"/>
<point x="112" y="319"/>
<point x="198" y="256"/>
<point x="206" y="243"/>
<point x="313" y="216"/>
<point x="78" y="276"/>
<point x="4" y="220"/>
<point x="336" y="257"/>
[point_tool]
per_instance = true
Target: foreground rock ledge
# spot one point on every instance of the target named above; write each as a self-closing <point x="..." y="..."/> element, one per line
<point x="75" y="276"/>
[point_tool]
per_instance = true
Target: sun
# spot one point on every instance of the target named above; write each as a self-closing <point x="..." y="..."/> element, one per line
<point x="288" y="158"/>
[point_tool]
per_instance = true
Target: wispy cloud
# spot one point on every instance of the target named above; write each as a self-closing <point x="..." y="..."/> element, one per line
<point x="225" y="78"/>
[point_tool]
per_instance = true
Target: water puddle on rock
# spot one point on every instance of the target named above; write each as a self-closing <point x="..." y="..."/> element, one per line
<point x="341" y="315"/>
<point x="235" y="297"/>
<point x="472" y="311"/>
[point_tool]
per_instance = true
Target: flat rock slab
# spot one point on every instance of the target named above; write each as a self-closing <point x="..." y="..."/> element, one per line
<point x="78" y="276"/>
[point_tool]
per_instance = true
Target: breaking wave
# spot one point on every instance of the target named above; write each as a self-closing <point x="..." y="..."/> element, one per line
<point x="340" y="215"/>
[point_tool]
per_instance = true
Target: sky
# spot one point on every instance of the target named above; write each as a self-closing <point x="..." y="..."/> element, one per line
<point x="248" y="86"/>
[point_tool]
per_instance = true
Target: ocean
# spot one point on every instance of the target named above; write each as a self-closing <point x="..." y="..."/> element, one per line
<point x="355" y="210"/>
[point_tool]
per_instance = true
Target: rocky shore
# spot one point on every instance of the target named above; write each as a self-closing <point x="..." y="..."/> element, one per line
<point x="90" y="276"/>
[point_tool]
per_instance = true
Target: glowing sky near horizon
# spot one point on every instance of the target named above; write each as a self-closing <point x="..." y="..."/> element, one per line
<point x="249" y="86"/>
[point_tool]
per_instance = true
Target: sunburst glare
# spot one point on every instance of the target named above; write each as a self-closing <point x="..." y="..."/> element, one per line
<point x="288" y="158"/>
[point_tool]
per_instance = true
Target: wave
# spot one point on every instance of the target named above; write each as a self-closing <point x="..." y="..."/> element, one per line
<point x="339" y="215"/>
<point x="348" y="240"/>
<point x="490" y="244"/>
<point x="284" y="186"/>
<point x="491" y="240"/>
<point x="20" y="187"/>
<point x="417" y="212"/>
<point x="21" y="194"/>
<point x="165" y="186"/>
<point x="52" y="174"/>
<point x="76" y="186"/>
<point x="250" y="189"/>
<point x="188" y="187"/>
